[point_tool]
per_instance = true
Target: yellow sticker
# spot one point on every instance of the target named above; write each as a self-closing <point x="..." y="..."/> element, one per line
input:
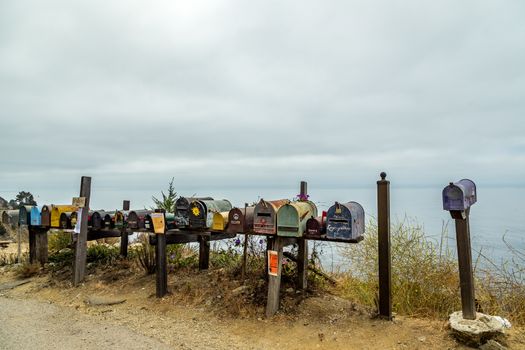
<point x="196" y="211"/>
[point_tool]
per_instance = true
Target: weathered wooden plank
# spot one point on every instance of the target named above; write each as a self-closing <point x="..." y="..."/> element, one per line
<point x="204" y="252"/>
<point x="274" y="282"/>
<point x="178" y="237"/>
<point x="161" y="266"/>
<point x="466" y="277"/>
<point x="302" y="264"/>
<point x="79" y="265"/>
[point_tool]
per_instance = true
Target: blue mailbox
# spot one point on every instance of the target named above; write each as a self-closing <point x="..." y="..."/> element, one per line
<point x="35" y="217"/>
<point x="345" y="221"/>
<point x="459" y="196"/>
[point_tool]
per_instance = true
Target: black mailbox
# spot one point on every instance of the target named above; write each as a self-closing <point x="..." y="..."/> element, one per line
<point x="182" y="207"/>
<point x="201" y="212"/>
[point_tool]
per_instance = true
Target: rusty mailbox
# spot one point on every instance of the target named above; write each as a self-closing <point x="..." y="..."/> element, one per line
<point x="265" y="216"/>
<point x="201" y="212"/>
<point x="459" y="196"/>
<point x="345" y="221"/>
<point x="240" y="220"/>
<point x="182" y="207"/>
<point x="36" y="217"/>
<point x="292" y="218"/>
<point x="45" y="216"/>
<point x="220" y="221"/>
<point x="56" y="214"/>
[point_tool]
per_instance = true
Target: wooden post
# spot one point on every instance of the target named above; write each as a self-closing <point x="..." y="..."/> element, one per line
<point x="274" y="282"/>
<point x="245" y="248"/>
<point x="124" y="233"/>
<point x="204" y="252"/>
<point x="302" y="263"/>
<point x="37" y="245"/>
<point x="466" y="277"/>
<point x="79" y="265"/>
<point x="302" y="253"/>
<point x="161" y="266"/>
<point x="385" y="261"/>
<point x="19" y="256"/>
<point x="269" y="246"/>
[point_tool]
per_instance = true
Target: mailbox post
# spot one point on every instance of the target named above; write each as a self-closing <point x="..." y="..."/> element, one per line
<point x="457" y="199"/>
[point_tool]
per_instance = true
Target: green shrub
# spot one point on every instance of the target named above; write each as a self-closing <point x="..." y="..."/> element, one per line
<point x="102" y="253"/>
<point x="59" y="240"/>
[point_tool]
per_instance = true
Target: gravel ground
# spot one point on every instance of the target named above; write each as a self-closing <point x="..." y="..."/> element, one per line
<point x="29" y="324"/>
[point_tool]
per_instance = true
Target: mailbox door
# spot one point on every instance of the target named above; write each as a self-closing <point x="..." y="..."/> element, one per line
<point x="96" y="221"/>
<point x="55" y="217"/>
<point x="339" y="222"/>
<point x="198" y="215"/>
<point x="133" y="220"/>
<point x="265" y="216"/>
<point x="36" y="219"/>
<point x="73" y="218"/>
<point x="170" y="221"/>
<point x="64" y="222"/>
<point x="45" y="216"/>
<point x="235" y="221"/>
<point x="24" y="216"/>
<point x="314" y="227"/>
<point x="220" y="221"/>
<point x="358" y="219"/>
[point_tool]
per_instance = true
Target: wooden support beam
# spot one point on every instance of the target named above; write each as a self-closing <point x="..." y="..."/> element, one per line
<point x="124" y="233"/>
<point x="385" y="261"/>
<point x="466" y="277"/>
<point x="38" y="245"/>
<point x="161" y="266"/>
<point x="79" y="265"/>
<point x="302" y="264"/>
<point x="204" y="252"/>
<point x="274" y="282"/>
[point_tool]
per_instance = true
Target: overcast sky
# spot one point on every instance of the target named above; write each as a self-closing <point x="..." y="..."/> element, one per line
<point x="260" y="93"/>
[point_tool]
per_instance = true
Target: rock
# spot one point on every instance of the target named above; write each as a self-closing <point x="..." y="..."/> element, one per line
<point x="239" y="290"/>
<point x="478" y="331"/>
<point x="99" y="300"/>
<point x="492" y="345"/>
<point x="289" y="290"/>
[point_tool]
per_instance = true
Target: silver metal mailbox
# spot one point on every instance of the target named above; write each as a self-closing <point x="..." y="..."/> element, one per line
<point x="459" y="196"/>
<point x="345" y="221"/>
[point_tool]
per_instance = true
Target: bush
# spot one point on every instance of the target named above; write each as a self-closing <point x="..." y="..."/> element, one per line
<point x="102" y="253"/>
<point x="425" y="279"/>
<point x="145" y="254"/>
<point x="27" y="270"/>
<point x="59" y="240"/>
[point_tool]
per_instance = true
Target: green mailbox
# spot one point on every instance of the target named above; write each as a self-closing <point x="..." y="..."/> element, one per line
<point x="292" y="218"/>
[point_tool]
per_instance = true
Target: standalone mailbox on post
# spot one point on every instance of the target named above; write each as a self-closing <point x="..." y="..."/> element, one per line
<point x="201" y="212"/>
<point x="240" y="220"/>
<point x="458" y="197"/>
<point x="292" y="218"/>
<point x="265" y="216"/>
<point x="345" y="221"/>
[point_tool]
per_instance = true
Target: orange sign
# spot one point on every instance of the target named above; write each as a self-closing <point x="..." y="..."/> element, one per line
<point x="159" y="225"/>
<point x="273" y="263"/>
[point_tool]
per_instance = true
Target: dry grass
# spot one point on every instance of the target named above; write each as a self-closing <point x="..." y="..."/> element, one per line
<point x="425" y="280"/>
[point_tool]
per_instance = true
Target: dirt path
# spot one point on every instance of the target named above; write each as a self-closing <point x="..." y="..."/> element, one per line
<point x="48" y="313"/>
<point x="30" y="324"/>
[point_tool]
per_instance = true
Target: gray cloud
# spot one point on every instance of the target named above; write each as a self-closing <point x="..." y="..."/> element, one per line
<point x="232" y="93"/>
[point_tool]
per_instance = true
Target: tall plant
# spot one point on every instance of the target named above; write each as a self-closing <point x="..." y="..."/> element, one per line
<point x="168" y="200"/>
